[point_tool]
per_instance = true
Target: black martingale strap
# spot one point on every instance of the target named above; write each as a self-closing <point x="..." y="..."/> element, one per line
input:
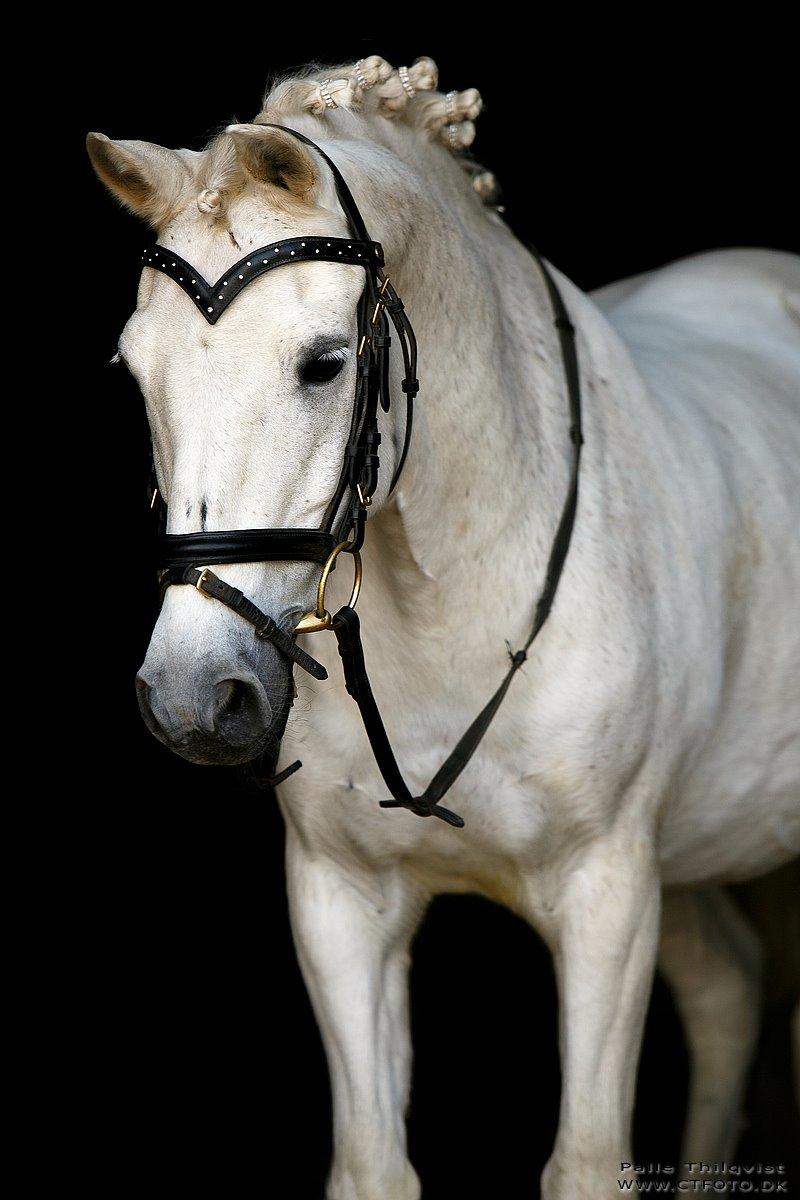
<point x="347" y="627"/>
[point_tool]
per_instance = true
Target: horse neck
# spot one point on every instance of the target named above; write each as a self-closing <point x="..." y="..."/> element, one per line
<point x="488" y="467"/>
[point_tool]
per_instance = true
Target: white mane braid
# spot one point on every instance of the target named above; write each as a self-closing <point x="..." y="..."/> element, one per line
<point x="370" y="88"/>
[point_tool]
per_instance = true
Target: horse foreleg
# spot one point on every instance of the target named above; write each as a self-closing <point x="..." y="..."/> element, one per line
<point x="604" y="940"/>
<point x="352" y="930"/>
<point x="710" y="957"/>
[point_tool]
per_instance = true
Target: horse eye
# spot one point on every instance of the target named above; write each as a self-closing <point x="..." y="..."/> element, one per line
<point x="322" y="368"/>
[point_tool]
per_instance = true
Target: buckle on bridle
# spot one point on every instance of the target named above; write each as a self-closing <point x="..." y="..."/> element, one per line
<point x="202" y="577"/>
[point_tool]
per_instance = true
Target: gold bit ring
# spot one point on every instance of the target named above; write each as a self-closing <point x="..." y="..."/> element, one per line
<point x="320" y="618"/>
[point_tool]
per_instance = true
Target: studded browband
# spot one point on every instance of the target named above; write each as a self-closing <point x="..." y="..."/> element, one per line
<point x="185" y="558"/>
<point x="212" y="299"/>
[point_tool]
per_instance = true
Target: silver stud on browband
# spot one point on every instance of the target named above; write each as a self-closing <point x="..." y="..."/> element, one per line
<point x="324" y="91"/>
<point x="360" y="77"/>
<point x="408" y="86"/>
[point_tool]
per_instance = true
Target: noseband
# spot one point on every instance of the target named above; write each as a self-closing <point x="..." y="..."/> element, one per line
<point x="185" y="558"/>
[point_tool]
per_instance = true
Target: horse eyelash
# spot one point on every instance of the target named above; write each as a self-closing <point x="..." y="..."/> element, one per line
<point x="341" y="355"/>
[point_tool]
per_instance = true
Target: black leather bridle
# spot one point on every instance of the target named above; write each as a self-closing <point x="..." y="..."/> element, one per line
<point x="185" y="558"/>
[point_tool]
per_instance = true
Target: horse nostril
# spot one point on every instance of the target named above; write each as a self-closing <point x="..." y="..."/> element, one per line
<point x="238" y="710"/>
<point x="204" y="718"/>
<point x="231" y="697"/>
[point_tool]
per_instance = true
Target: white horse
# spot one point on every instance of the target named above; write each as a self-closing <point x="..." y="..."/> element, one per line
<point x="647" y="752"/>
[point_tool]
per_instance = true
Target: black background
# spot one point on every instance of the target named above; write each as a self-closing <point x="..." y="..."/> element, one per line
<point x="186" y="1018"/>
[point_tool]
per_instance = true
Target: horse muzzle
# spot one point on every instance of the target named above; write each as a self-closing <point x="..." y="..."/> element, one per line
<point x="227" y="719"/>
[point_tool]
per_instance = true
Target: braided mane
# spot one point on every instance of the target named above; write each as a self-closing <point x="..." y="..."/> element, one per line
<point x="369" y="88"/>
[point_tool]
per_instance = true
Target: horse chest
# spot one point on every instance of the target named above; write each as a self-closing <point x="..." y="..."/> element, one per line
<point x="521" y="806"/>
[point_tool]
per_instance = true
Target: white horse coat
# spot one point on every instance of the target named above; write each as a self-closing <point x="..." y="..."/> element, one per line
<point x="652" y="736"/>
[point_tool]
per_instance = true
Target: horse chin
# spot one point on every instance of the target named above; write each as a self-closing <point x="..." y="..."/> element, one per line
<point x="208" y="751"/>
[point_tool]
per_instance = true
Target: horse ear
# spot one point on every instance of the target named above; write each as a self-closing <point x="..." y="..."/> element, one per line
<point x="147" y="179"/>
<point x="274" y="156"/>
